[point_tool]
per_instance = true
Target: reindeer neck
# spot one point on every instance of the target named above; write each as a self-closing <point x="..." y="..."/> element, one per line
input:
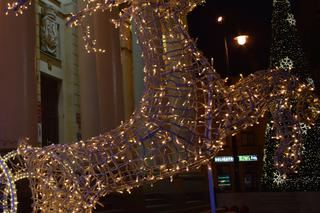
<point x="166" y="44"/>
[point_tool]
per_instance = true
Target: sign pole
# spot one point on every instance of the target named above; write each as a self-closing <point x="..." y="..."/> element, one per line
<point x="211" y="189"/>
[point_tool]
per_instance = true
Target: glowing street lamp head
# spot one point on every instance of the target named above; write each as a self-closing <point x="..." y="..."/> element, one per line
<point x="220" y="19"/>
<point x="242" y="39"/>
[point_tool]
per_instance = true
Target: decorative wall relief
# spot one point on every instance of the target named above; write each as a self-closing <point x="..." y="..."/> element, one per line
<point x="49" y="33"/>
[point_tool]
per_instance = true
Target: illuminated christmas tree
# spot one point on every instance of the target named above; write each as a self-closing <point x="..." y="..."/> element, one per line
<point x="287" y="53"/>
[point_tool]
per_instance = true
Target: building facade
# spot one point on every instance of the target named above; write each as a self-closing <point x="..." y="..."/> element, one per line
<point x="57" y="71"/>
<point x="52" y="90"/>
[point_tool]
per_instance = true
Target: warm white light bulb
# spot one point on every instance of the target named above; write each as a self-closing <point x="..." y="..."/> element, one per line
<point x="242" y="39"/>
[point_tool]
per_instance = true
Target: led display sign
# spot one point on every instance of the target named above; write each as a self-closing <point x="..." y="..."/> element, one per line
<point x="248" y="158"/>
<point x="223" y="159"/>
<point x="229" y="159"/>
<point x="224" y="181"/>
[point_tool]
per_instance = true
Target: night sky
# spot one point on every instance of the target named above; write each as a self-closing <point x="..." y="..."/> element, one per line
<point x="251" y="17"/>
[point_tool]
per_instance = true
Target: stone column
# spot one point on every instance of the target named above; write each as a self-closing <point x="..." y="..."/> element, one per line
<point x="109" y="73"/>
<point x="127" y="69"/>
<point x="138" y="66"/>
<point x="18" y="109"/>
<point x="89" y="102"/>
<point x="101" y="80"/>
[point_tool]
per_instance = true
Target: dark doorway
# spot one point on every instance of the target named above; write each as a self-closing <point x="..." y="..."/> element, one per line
<point x="50" y="113"/>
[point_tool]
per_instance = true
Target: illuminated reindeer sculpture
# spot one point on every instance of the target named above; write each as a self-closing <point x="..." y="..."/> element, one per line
<point x="185" y="114"/>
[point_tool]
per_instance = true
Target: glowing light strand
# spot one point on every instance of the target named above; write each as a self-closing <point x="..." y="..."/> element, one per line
<point x="12" y="169"/>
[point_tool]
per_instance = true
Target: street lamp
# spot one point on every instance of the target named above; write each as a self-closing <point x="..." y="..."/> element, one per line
<point x="220" y="20"/>
<point x="242" y="39"/>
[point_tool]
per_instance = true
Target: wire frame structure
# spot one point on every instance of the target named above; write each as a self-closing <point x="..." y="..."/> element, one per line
<point x="184" y="116"/>
<point x="12" y="170"/>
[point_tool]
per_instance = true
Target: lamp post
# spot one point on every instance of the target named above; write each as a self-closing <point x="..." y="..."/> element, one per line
<point x="220" y="20"/>
<point x="241" y="40"/>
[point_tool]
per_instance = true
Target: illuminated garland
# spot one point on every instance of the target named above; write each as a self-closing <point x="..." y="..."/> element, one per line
<point x="12" y="169"/>
<point x="185" y="114"/>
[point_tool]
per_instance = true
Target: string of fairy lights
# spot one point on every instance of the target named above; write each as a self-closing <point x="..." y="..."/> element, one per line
<point x="184" y="116"/>
<point x="12" y="169"/>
